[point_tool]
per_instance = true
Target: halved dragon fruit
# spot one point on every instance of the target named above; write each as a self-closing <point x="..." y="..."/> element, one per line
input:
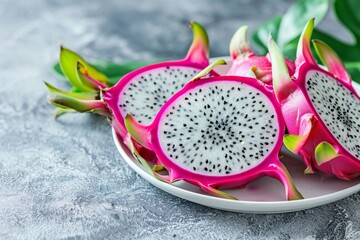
<point x="245" y="60"/>
<point x="218" y="132"/>
<point x="321" y="109"/>
<point x="141" y="92"/>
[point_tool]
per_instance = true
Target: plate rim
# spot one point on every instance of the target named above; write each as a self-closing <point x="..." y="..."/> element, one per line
<point x="261" y="207"/>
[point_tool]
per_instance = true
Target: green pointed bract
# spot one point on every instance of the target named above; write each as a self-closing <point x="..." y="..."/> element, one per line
<point x="294" y="142"/>
<point x="208" y="69"/>
<point x="282" y="82"/>
<point x="303" y="53"/>
<point x="325" y="152"/>
<point x="59" y="111"/>
<point x="239" y="44"/>
<point x="67" y="100"/>
<point x="331" y="60"/>
<point x="82" y="75"/>
<point x="68" y="64"/>
<point x="78" y="95"/>
<point x="140" y="133"/>
<point x="217" y="192"/>
<point x="129" y="143"/>
<point x="199" y="49"/>
<point x="152" y="171"/>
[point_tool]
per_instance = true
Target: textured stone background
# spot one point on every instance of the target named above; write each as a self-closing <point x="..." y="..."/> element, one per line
<point x="65" y="179"/>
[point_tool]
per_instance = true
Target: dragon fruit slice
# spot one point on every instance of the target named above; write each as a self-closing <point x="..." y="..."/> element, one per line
<point x="245" y="60"/>
<point x="321" y="109"/>
<point x="141" y="92"/>
<point x="218" y="132"/>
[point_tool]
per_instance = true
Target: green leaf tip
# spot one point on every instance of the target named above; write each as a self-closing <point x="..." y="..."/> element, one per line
<point x="199" y="32"/>
<point x="199" y="49"/>
<point x="84" y="77"/>
<point x="208" y="69"/>
<point x="62" y="111"/>
<point x="303" y="52"/>
<point x="75" y="101"/>
<point x="325" y="152"/>
<point x="68" y="65"/>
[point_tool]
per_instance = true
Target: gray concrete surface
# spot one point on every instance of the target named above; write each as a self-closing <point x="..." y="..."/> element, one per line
<point x="65" y="179"/>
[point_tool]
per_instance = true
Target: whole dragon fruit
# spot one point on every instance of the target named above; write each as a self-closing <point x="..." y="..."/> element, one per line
<point x="218" y="132"/>
<point x="321" y="109"/>
<point x="141" y="92"/>
<point x="245" y="60"/>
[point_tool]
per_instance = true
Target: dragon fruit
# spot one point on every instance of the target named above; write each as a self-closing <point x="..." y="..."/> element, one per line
<point x="245" y="60"/>
<point x="218" y="132"/>
<point x="141" y="92"/>
<point x="321" y="109"/>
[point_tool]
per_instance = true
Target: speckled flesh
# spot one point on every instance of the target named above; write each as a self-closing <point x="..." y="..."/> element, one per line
<point x="217" y="130"/>
<point x="338" y="108"/>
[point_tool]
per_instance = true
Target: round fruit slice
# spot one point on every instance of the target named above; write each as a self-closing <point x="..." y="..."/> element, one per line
<point x="218" y="132"/>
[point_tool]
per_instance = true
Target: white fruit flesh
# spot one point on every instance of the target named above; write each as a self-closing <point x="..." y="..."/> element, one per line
<point x="220" y="128"/>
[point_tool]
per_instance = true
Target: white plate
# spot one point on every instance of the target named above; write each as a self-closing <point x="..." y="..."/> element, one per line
<point x="265" y="195"/>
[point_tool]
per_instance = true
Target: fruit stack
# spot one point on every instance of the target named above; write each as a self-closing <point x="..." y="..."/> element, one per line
<point x="223" y="131"/>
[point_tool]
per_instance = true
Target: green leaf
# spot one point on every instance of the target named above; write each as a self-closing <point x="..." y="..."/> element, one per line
<point x="353" y="68"/>
<point x="289" y="49"/>
<point x="347" y="12"/>
<point x="296" y="17"/>
<point x="261" y="34"/>
<point x="114" y="71"/>
<point x="287" y="28"/>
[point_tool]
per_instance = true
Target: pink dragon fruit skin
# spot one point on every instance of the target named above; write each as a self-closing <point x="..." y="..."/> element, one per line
<point x="150" y="136"/>
<point x="245" y="60"/>
<point x="310" y="133"/>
